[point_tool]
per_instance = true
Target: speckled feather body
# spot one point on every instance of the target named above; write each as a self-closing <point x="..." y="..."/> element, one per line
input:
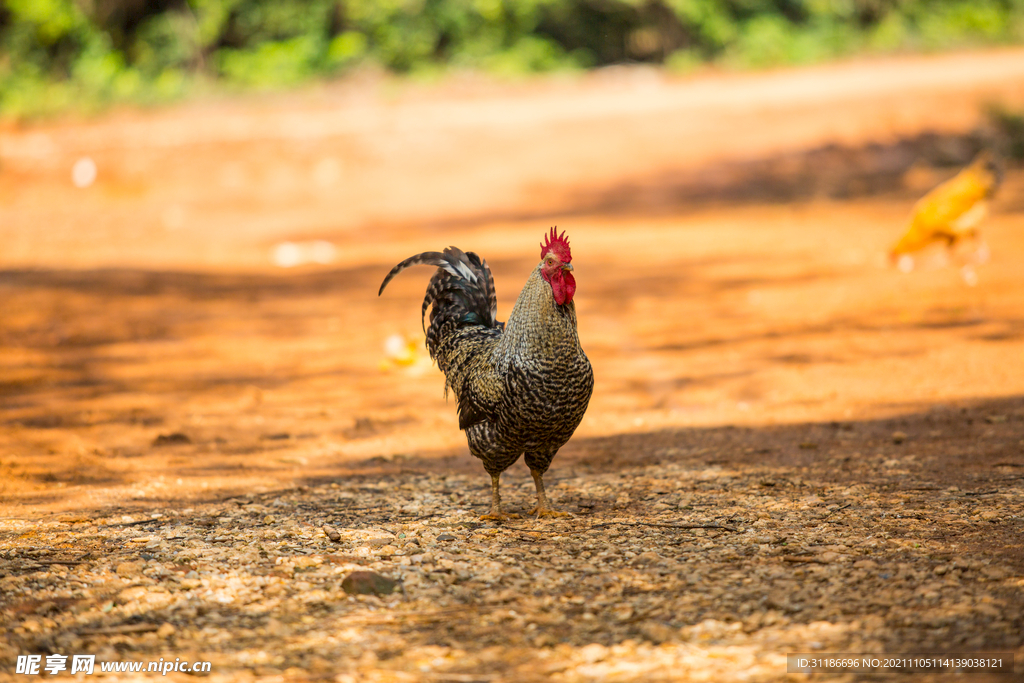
<point x="523" y="386"/>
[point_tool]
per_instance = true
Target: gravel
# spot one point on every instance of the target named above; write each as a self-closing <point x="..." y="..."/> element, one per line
<point x="666" y="571"/>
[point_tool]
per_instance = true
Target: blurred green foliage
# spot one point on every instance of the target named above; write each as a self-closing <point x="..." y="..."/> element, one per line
<point x="1006" y="132"/>
<point x="57" y="54"/>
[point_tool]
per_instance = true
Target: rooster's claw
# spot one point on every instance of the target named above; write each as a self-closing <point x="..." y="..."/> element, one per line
<point x="499" y="516"/>
<point x="549" y="512"/>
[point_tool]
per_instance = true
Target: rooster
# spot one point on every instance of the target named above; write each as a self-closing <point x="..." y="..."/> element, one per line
<point x="522" y="386"/>
<point x="953" y="210"/>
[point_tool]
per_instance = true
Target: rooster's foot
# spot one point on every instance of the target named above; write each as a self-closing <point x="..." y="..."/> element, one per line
<point x="548" y="512"/>
<point x="499" y="516"/>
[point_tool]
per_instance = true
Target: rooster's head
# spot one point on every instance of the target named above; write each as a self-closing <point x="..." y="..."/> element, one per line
<point x="555" y="267"/>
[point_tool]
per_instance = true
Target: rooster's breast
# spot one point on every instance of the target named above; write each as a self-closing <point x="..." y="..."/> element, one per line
<point x="545" y="399"/>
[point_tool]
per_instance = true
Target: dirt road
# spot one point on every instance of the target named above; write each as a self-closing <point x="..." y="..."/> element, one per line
<point x="754" y="354"/>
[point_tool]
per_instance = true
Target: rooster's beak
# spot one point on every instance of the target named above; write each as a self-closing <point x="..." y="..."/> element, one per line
<point x="566" y="266"/>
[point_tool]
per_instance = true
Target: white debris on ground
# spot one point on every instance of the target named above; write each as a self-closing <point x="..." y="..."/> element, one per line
<point x="83" y="172"/>
<point x="292" y="254"/>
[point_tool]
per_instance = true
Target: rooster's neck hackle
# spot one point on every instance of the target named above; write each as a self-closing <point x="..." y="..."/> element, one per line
<point x="537" y="325"/>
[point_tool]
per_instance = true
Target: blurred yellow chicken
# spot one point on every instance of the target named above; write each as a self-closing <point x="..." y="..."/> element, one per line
<point x="952" y="210"/>
<point x="404" y="352"/>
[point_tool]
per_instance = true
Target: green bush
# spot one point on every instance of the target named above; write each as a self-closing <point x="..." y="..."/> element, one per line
<point x="56" y="54"/>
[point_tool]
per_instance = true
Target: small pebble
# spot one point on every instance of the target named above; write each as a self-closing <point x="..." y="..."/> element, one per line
<point x="368" y="583"/>
<point x="172" y="439"/>
<point x="129" y="569"/>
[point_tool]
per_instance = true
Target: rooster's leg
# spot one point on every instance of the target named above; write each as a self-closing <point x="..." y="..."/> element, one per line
<point x="496" y="514"/>
<point x="543" y="508"/>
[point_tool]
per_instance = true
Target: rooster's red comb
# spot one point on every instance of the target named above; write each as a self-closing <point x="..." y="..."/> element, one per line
<point x="556" y="243"/>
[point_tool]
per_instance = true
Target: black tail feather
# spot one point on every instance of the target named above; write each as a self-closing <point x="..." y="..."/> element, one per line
<point x="427" y="258"/>
<point x="461" y="293"/>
